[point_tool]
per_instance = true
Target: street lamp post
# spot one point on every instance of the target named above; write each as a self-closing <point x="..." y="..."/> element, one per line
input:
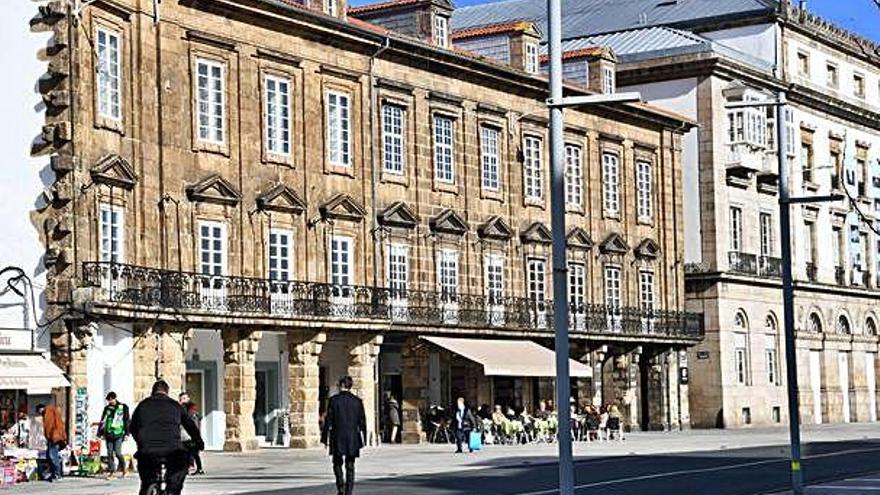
<point x="556" y="104"/>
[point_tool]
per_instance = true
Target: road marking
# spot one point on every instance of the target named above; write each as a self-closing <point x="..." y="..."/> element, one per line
<point x="667" y="474"/>
<point x="843" y="487"/>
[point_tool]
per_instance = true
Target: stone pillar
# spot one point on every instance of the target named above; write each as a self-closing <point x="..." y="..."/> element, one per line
<point x="171" y="357"/>
<point x="70" y="347"/>
<point x="657" y="385"/>
<point x="859" y="388"/>
<point x="598" y="363"/>
<point x="679" y="399"/>
<point x="240" y="388"/>
<point x="145" y="361"/>
<point x="832" y="404"/>
<point x="805" y="386"/>
<point x="363" y="352"/>
<point x="622" y="387"/>
<point x="304" y="374"/>
<point x="414" y="377"/>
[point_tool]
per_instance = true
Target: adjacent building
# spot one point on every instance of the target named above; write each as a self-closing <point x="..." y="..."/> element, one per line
<point x="696" y="57"/>
<point x="254" y="197"/>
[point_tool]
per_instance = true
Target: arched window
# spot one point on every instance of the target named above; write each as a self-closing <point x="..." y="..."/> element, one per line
<point x="741" y="349"/>
<point x="843" y="327"/>
<point x="739" y="321"/>
<point x="870" y="327"/>
<point x="815" y="325"/>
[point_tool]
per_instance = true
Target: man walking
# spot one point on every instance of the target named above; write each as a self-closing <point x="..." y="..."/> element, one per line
<point x="464" y="425"/>
<point x="56" y="439"/>
<point x="344" y="432"/>
<point x="392" y="417"/>
<point x="114" y="428"/>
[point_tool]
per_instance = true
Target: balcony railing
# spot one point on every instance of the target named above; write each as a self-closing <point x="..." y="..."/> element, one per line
<point x="743" y="263"/>
<point x="224" y="295"/>
<point x="769" y="266"/>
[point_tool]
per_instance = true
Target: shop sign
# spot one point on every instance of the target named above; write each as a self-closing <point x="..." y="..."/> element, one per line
<point x="15" y="339"/>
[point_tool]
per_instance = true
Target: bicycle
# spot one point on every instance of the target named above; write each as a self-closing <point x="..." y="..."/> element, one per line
<point x="159" y="486"/>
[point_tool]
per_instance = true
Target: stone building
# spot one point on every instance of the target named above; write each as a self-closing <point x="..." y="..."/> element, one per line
<point x="695" y="58"/>
<point x="256" y="197"/>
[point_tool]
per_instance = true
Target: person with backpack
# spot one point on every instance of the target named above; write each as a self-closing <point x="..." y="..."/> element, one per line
<point x="113" y="428"/>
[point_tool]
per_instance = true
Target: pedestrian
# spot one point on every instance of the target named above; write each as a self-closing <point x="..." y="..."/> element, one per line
<point x="344" y="432"/>
<point x="113" y="428"/>
<point x="183" y="398"/>
<point x="463" y="424"/>
<point x="56" y="439"/>
<point x="195" y="459"/>
<point x="392" y="417"/>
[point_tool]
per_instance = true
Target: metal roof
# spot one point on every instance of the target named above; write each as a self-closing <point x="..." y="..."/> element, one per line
<point x="589" y="17"/>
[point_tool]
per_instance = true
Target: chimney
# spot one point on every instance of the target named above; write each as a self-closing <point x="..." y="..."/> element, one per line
<point x="427" y="20"/>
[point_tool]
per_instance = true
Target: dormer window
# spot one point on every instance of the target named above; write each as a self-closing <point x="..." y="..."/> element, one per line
<point x="608" y="83"/>
<point x="441" y="31"/>
<point x="531" y="54"/>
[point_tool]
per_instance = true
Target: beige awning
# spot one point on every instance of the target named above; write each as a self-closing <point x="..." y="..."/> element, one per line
<point x="31" y="372"/>
<point x="509" y="357"/>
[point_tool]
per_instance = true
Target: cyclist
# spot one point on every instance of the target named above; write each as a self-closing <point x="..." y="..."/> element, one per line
<point x="156" y="425"/>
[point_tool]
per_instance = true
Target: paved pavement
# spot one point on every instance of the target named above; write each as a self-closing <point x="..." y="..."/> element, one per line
<point x="699" y="461"/>
<point x="863" y="485"/>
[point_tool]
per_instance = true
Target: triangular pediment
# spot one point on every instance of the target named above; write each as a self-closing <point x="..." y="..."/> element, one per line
<point x="343" y="207"/>
<point x="214" y="189"/>
<point x="398" y="214"/>
<point x="536" y="233"/>
<point x="495" y="228"/>
<point x="114" y="171"/>
<point x="647" y="249"/>
<point x="448" y="222"/>
<point x="578" y="238"/>
<point x="614" y="244"/>
<point x="282" y="199"/>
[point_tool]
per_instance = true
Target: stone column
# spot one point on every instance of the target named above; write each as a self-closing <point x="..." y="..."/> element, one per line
<point x="832" y="404"/>
<point x="598" y="363"/>
<point x="363" y="352"/>
<point x="624" y="388"/>
<point x="70" y="347"/>
<point x="679" y="399"/>
<point x="414" y="377"/>
<point x="145" y="361"/>
<point x="304" y="378"/>
<point x="859" y="388"/>
<point x="805" y="386"/>
<point x="240" y="388"/>
<point x="171" y="356"/>
<point x="658" y="392"/>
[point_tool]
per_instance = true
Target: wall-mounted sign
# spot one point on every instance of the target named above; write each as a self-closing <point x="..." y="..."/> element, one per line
<point x="15" y="339"/>
<point x="701" y="355"/>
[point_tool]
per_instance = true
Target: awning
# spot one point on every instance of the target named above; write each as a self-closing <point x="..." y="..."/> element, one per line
<point x="509" y="357"/>
<point x="31" y="372"/>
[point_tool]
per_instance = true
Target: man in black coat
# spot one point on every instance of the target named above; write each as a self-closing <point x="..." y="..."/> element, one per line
<point x="155" y="426"/>
<point x="344" y="432"/>
<point x="463" y="423"/>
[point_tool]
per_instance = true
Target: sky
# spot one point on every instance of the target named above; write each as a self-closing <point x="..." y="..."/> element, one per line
<point x="861" y="16"/>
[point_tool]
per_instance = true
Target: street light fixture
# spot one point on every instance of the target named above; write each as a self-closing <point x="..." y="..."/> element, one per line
<point x="556" y="103"/>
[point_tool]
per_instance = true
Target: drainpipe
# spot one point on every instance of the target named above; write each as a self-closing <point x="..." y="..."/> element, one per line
<point x="374" y="158"/>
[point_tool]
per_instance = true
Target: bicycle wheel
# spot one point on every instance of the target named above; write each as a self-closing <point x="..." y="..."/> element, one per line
<point x="155" y="489"/>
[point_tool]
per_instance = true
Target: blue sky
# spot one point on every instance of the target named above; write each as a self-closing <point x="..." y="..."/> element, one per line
<point x="861" y="16"/>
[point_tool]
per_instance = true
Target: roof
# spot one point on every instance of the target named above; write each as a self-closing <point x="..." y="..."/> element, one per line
<point x="489" y="29"/>
<point x="380" y="6"/>
<point x="587" y="52"/>
<point x="590" y="17"/>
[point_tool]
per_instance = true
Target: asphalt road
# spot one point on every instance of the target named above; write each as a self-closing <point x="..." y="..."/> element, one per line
<point x="725" y="472"/>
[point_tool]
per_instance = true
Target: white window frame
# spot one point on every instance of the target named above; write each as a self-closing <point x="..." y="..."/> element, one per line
<point x="772" y="357"/>
<point x="611" y="184"/>
<point x="280" y="269"/>
<point x="574" y="176"/>
<point x="647" y="299"/>
<point x="441" y="31"/>
<point x="741" y="358"/>
<point x="210" y="101"/>
<point x="397" y="279"/>
<point x="765" y="226"/>
<point x="577" y="293"/>
<point x="494" y="283"/>
<point x="111" y="224"/>
<point x="339" y="128"/>
<point x="490" y="157"/>
<point x="736" y="229"/>
<point x="613" y="284"/>
<point x="393" y="139"/>
<point x="340" y="274"/>
<point x="536" y="289"/>
<point x="278" y="116"/>
<point x="213" y="290"/>
<point x="531" y="63"/>
<point x="448" y="283"/>
<point x="533" y="167"/>
<point x="332" y="7"/>
<point x="608" y="80"/>
<point x="108" y="70"/>
<point x="645" y="190"/>
<point x="443" y="127"/>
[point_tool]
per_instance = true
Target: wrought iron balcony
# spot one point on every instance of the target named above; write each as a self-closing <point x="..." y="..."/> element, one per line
<point x="769" y="266"/>
<point x="746" y="263"/>
<point x="151" y="288"/>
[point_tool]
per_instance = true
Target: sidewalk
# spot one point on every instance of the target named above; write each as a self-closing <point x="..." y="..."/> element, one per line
<point x="270" y="469"/>
<point x="863" y="485"/>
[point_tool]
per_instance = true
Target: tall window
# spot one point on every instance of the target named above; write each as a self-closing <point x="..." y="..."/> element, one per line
<point x="341" y="261"/>
<point x="612" y="286"/>
<point x="533" y="177"/>
<point x="741" y="349"/>
<point x="577" y="276"/>
<point x="809" y="234"/>
<point x="109" y="67"/>
<point x="531" y="58"/>
<point x="339" y="128"/>
<point x="444" y="147"/>
<point x="280" y="255"/>
<point x="747" y="125"/>
<point x="608" y="80"/>
<point x="441" y="31"/>
<point x="859" y="85"/>
<point x="447" y="274"/>
<point x="112" y="234"/>
<point x="536" y="269"/>
<point x="803" y="60"/>
<point x="212" y="248"/>
<point x="277" y="115"/>
<point x="332" y="7"/>
<point x="393" y="139"/>
<point x="807" y="161"/>
<point x="736" y="236"/>
<point x="771" y="351"/>
<point x="766" y="226"/>
<point x="211" y="101"/>
<point x="494" y="278"/>
<point x="574" y="176"/>
<point x="645" y="191"/>
<point x="831" y="78"/>
<point x="489" y="157"/>
<point x="646" y="291"/>
<point x="610" y="184"/>
<point x="398" y="270"/>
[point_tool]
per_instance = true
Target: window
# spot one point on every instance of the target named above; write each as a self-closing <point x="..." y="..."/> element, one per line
<point x="741" y="360"/>
<point x="211" y="101"/>
<point x="574" y="176"/>
<point x="612" y="286"/>
<point x="212" y="248"/>
<point x="109" y="67"/>
<point x="339" y="128"/>
<point x="646" y="291"/>
<point x="610" y="184"/>
<point x="577" y="276"/>
<point x="747" y="126"/>
<point x="803" y="61"/>
<point x="533" y="179"/>
<point x="277" y="115"/>
<point x="280" y="255"/>
<point x="532" y="58"/>
<point x="645" y="189"/>
<point x="441" y="31"/>
<point x="791" y="137"/>
<point x="489" y="157"/>
<point x="747" y="415"/>
<point x="736" y="229"/>
<point x="444" y="146"/>
<point x="772" y="365"/>
<point x="776" y="414"/>
<point x="831" y="78"/>
<point x="398" y="270"/>
<point x="393" y="139"/>
<point x="112" y="234"/>
<point x="859" y="85"/>
<point x="340" y="262"/>
<point x="807" y="161"/>
<point x="766" y="226"/>
<point x="447" y="274"/>
<point x="809" y="235"/>
<point x="495" y="278"/>
<point x="537" y="272"/>
<point x="332" y="7"/>
<point x="608" y="80"/>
